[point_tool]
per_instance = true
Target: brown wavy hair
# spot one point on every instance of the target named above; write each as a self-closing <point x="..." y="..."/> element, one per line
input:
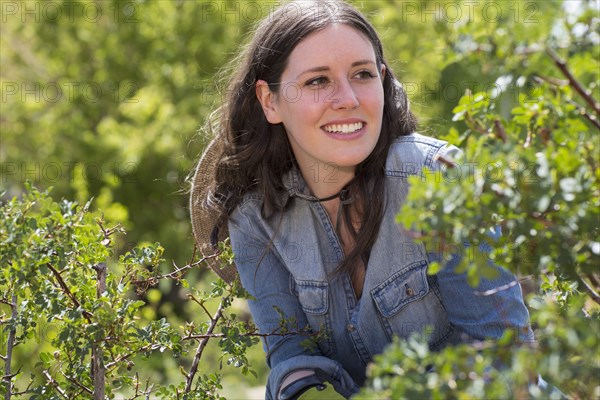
<point x="256" y="154"/>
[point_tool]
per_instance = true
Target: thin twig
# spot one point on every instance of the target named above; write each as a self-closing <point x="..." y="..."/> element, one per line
<point x="66" y="290"/>
<point x="98" y="367"/>
<point x="27" y="389"/>
<point x="551" y="80"/>
<point x="252" y="334"/>
<point x="194" y="299"/>
<point x="9" y="348"/>
<point x="124" y="357"/>
<point x="503" y="287"/>
<point x="174" y="274"/>
<point x="583" y="111"/>
<point x="78" y="384"/>
<point x="591" y="292"/>
<point x="594" y="278"/>
<point x="194" y="368"/>
<point x="54" y="384"/>
<point x="574" y="83"/>
<point x="475" y="124"/>
<point x="499" y="130"/>
<point x="445" y="161"/>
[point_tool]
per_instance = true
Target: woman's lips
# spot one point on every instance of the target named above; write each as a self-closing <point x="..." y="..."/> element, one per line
<point x="345" y="131"/>
<point x="344" y="128"/>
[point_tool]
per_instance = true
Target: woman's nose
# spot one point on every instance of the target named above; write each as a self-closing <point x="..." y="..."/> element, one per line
<point x="344" y="96"/>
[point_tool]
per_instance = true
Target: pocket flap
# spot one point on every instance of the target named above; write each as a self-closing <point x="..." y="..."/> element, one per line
<point x="403" y="287"/>
<point x="313" y="296"/>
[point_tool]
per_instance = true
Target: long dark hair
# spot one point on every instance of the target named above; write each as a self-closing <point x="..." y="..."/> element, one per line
<point x="256" y="154"/>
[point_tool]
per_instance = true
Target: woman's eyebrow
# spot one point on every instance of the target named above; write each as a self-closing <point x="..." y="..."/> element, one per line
<point x="363" y="62"/>
<point x="325" y="68"/>
<point x="314" y="69"/>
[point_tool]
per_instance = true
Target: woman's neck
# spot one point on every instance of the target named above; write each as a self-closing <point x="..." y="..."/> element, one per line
<point x="326" y="180"/>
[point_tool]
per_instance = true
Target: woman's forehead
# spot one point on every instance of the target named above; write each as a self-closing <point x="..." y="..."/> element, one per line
<point x="337" y="43"/>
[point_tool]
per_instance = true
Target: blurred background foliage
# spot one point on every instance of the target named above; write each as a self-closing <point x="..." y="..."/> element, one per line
<point x="105" y="99"/>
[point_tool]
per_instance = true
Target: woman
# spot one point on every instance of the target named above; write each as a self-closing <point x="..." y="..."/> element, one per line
<point x="316" y="142"/>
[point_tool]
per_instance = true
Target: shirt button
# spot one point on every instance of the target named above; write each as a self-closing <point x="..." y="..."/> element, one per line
<point x="350" y="328"/>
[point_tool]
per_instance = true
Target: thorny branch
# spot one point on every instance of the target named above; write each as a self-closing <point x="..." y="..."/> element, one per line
<point x="98" y="367"/>
<point x="27" y="389"/>
<point x="124" y="357"/>
<point x="145" y="392"/>
<point x="78" y="384"/>
<point x="68" y="292"/>
<point x="201" y="304"/>
<point x="581" y="109"/>
<point x="574" y="83"/>
<point x="589" y="289"/>
<point x="108" y="232"/>
<point x="176" y="274"/>
<point x="9" y="348"/>
<point x="194" y="368"/>
<point x="252" y="334"/>
<point x="54" y="384"/>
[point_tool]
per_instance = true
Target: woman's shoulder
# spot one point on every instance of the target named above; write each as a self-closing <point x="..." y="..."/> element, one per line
<point x="412" y="152"/>
<point x="250" y="205"/>
<point x="247" y="219"/>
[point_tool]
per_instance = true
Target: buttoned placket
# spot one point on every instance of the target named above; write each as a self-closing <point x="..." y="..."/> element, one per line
<point x="352" y="303"/>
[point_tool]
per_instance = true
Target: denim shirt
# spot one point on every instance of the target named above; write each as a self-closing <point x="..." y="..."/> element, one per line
<point x="284" y="263"/>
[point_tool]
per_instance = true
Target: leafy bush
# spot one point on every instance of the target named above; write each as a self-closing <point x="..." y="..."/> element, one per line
<point x="533" y="173"/>
<point x="531" y="167"/>
<point x="56" y="271"/>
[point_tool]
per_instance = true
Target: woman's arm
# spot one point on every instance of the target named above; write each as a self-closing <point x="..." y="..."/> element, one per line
<point x="487" y="310"/>
<point x="265" y="277"/>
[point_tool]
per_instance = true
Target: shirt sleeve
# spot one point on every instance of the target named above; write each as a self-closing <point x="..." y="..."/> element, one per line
<point x="487" y="310"/>
<point x="494" y="305"/>
<point x="263" y="274"/>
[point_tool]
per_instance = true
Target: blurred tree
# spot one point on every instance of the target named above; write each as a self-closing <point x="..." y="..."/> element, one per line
<point x="104" y="99"/>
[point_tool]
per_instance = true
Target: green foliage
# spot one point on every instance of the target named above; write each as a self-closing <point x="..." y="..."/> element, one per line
<point x="504" y="369"/>
<point x="56" y="256"/>
<point x="532" y="170"/>
<point x="110" y="110"/>
<point x="534" y="174"/>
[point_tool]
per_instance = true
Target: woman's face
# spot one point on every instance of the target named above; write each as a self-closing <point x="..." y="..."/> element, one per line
<point x="330" y="99"/>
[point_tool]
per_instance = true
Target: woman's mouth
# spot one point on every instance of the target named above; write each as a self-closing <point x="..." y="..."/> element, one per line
<point x="344" y="128"/>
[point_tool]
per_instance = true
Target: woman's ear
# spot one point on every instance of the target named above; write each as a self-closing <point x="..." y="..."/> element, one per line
<point x="268" y="102"/>
<point x="382" y="72"/>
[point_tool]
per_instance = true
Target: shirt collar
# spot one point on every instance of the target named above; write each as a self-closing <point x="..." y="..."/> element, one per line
<point x="295" y="186"/>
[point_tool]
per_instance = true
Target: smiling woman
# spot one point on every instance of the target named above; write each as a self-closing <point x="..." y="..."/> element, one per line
<point x="314" y="147"/>
<point x="341" y="129"/>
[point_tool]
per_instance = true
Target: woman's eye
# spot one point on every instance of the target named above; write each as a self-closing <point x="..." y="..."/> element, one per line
<point x="317" y="82"/>
<point x="365" y="75"/>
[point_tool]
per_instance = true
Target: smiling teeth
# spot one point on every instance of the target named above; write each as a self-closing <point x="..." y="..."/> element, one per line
<point x="344" y="128"/>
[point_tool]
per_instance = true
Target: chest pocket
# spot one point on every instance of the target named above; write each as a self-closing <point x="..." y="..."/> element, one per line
<point x="407" y="305"/>
<point x="314" y="298"/>
<point x="400" y="289"/>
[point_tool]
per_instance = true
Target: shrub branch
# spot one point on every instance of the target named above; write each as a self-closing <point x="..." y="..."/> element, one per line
<point x="574" y="83"/>
<point x="9" y="348"/>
